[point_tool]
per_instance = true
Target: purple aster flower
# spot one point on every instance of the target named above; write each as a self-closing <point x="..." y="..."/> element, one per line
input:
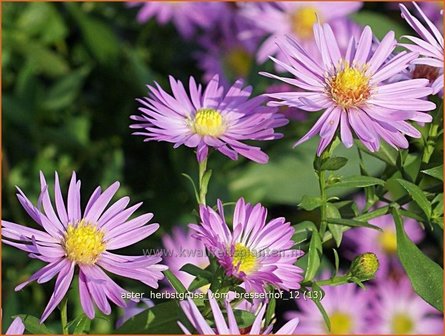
<point x="347" y="307"/>
<point x="231" y="326"/>
<point x="397" y="309"/>
<point x="256" y="252"/>
<point x="296" y="19"/>
<point x="383" y="244"/>
<point x="350" y="88"/>
<point x="186" y="16"/>
<point x="16" y="328"/>
<point x="184" y="249"/>
<point x="429" y="47"/>
<point x="71" y="238"/>
<point x="215" y="117"/>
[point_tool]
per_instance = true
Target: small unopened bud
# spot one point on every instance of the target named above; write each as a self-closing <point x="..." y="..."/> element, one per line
<point x="365" y="266"/>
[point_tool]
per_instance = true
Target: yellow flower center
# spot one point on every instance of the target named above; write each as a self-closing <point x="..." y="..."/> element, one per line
<point x="244" y="257"/>
<point x="341" y="323"/>
<point x="208" y="122"/>
<point x="402" y="324"/>
<point x="238" y="62"/>
<point x="83" y="243"/>
<point x="349" y="87"/>
<point x="303" y="20"/>
<point x="388" y="241"/>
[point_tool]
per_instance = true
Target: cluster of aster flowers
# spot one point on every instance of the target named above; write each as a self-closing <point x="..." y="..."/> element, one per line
<point x="326" y="65"/>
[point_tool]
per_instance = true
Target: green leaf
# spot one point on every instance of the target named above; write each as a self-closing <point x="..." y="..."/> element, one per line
<point x="310" y="203"/>
<point x="425" y="275"/>
<point x="302" y="231"/>
<point x="373" y="214"/>
<point x="160" y="319"/>
<point x="196" y="271"/>
<point x="174" y="281"/>
<point x="321" y="308"/>
<point x="436" y="172"/>
<point x="33" y="325"/>
<point x="270" y="311"/>
<point x="188" y="177"/>
<point x="352" y="223"/>
<point x="336" y="230"/>
<point x="244" y="318"/>
<point x="334" y="163"/>
<point x="99" y="38"/>
<point x="336" y="262"/>
<point x="357" y="182"/>
<point x="418" y="196"/>
<point x="197" y="283"/>
<point x="315" y="253"/>
<point x="386" y="153"/>
<point x="81" y="325"/>
<point x="44" y="20"/>
<point x="65" y="91"/>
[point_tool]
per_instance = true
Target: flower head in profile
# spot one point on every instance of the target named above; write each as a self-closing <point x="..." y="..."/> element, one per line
<point x="228" y="326"/>
<point x="183" y="249"/>
<point x="350" y="89"/>
<point x="70" y="238"/>
<point x="295" y="18"/>
<point x="429" y="45"/>
<point x="257" y="252"/>
<point x="347" y="307"/>
<point x="217" y="118"/>
<point x="397" y="309"/>
<point x="16" y="328"/>
<point x="186" y="16"/>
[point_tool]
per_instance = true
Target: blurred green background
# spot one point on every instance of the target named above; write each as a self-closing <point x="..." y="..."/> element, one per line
<point x="71" y="73"/>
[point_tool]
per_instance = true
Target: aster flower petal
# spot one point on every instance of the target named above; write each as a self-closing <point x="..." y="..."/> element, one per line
<point x="16" y="328"/>
<point x="61" y="287"/>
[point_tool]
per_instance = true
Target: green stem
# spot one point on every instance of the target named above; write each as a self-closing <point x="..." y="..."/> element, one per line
<point x="336" y="281"/>
<point x="430" y="142"/>
<point x="323" y="195"/>
<point x="202" y="183"/>
<point x="64" y="315"/>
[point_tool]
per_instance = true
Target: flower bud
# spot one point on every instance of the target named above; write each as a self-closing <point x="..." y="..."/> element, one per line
<point x="365" y="266"/>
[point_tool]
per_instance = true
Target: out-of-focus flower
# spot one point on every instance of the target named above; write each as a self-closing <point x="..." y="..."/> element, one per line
<point x="398" y="310"/>
<point x="383" y="244"/>
<point x="186" y="16"/>
<point x="224" y="53"/>
<point x="295" y="19"/>
<point x="183" y="249"/>
<point x="133" y="308"/>
<point x="347" y="307"/>
<point x="231" y="326"/>
<point x="257" y="253"/>
<point x="429" y="46"/>
<point x="70" y="237"/>
<point x="350" y="88"/>
<point x="16" y="328"/>
<point x="216" y="118"/>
